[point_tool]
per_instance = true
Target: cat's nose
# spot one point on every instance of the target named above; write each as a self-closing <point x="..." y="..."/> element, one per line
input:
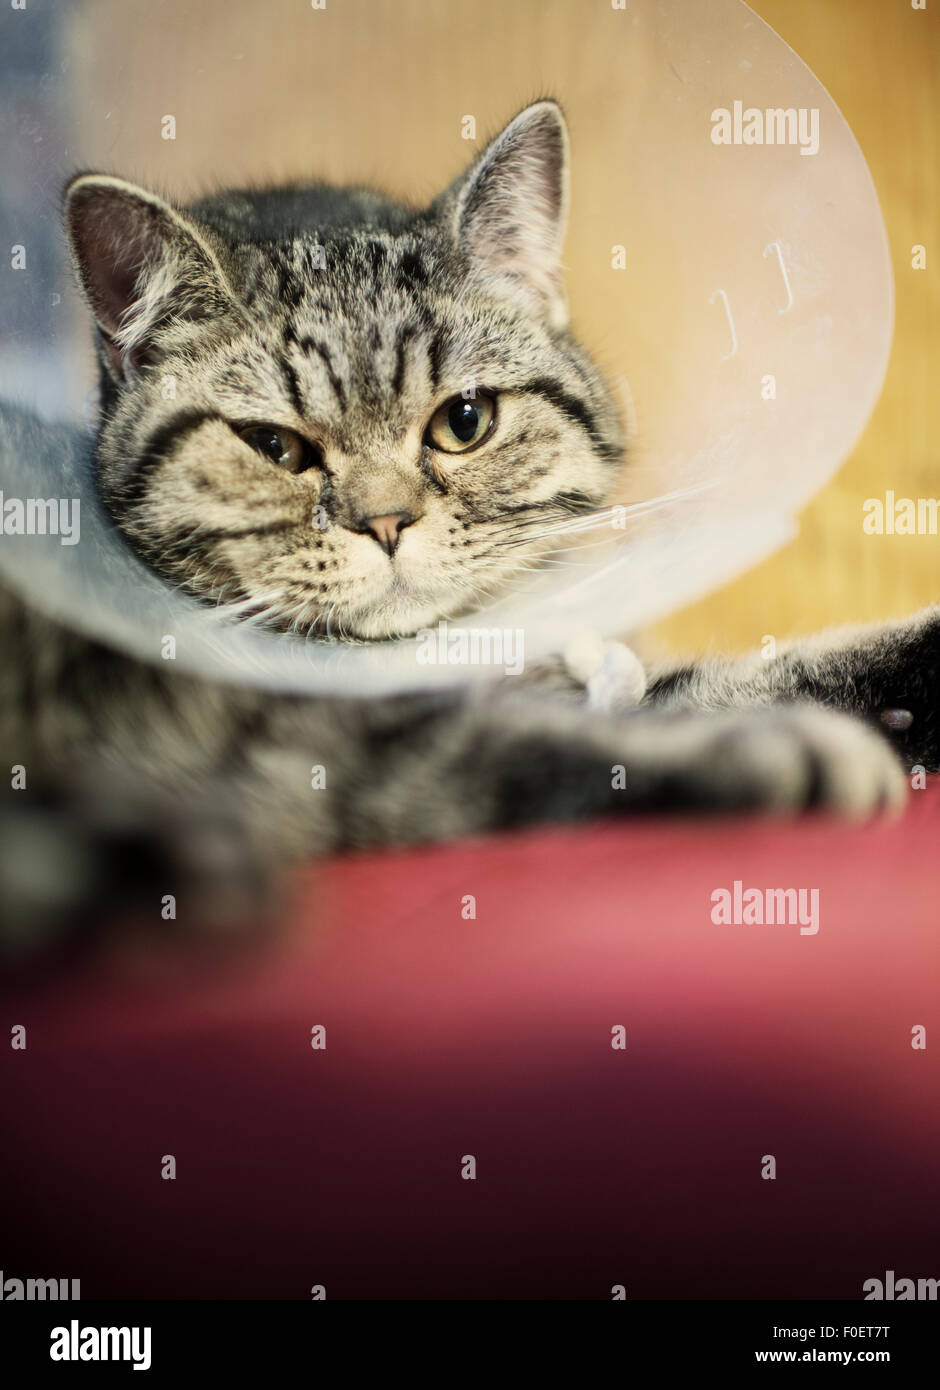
<point x="386" y="529"/>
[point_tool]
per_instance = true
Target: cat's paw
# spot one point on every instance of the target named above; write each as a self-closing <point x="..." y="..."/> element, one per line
<point x="611" y="673"/>
<point x="791" y="758"/>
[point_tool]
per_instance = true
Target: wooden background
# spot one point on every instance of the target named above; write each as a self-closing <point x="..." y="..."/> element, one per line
<point x="258" y="93"/>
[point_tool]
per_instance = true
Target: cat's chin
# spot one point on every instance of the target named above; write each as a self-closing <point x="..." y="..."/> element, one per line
<point x="385" y="624"/>
<point x="402" y="608"/>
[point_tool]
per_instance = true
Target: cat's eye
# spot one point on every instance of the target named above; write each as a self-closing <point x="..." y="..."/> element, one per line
<point x="282" y="446"/>
<point x="461" y="424"/>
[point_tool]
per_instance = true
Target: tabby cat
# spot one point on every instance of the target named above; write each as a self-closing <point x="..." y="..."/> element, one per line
<point x="409" y="377"/>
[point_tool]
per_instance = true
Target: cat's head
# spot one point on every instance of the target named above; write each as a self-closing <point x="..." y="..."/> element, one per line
<point x="336" y="411"/>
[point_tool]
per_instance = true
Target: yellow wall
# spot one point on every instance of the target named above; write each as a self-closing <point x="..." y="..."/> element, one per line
<point x="880" y="61"/>
<point x="373" y="90"/>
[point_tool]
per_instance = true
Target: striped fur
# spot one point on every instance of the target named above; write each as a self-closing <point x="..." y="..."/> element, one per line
<point x="350" y="320"/>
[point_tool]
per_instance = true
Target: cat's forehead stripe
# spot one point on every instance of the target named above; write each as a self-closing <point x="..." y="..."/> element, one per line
<point x="292" y="385"/>
<point x="314" y="347"/>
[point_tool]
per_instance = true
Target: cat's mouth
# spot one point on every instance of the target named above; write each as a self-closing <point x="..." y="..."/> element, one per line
<point x="404" y="607"/>
<point x="377" y="598"/>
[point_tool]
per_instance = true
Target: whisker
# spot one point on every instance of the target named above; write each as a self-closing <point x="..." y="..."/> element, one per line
<point x="605" y="516"/>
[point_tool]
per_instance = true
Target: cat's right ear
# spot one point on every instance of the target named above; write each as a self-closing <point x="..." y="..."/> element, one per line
<point x="140" y="263"/>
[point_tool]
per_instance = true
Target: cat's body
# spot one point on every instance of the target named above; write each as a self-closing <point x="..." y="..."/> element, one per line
<point x="373" y="416"/>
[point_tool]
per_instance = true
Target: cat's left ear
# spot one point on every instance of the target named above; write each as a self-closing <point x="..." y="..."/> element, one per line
<point x="511" y="207"/>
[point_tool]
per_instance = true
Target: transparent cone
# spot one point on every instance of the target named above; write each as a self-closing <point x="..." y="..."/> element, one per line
<point x="758" y="320"/>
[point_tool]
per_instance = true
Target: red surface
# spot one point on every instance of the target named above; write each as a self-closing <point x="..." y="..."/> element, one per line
<point x="492" y="1037"/>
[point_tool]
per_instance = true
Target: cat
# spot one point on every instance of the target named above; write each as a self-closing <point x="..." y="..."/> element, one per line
<point x="409" y="378"/>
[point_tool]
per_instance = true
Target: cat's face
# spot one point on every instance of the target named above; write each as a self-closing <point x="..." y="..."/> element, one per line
<point x="351" y="428"/>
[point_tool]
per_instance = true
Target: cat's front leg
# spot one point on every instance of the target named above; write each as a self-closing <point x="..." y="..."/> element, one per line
<point x="484" y="763"/>
<point x="886" y="674"/>
<point x="325" y="776"/>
